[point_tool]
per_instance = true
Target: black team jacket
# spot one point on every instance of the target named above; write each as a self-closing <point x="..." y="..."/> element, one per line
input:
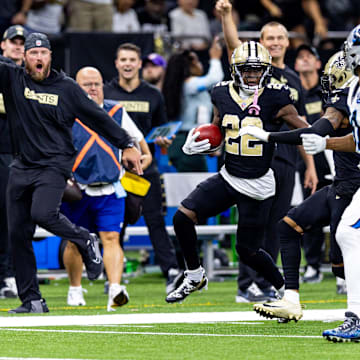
<point x="41" y="116"/>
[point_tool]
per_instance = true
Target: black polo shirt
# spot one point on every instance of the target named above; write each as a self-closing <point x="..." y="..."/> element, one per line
<point x="289" y="77"/>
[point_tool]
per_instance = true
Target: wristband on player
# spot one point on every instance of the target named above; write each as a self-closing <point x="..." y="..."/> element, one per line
<point x="321" y="127"/>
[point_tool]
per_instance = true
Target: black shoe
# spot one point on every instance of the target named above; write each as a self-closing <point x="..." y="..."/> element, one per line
<point x="174" y="279"/>
<point x="92" y="258"/>
<point x="33" y="306"/>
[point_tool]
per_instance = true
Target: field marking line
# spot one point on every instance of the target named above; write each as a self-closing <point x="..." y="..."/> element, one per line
<point x="156" y="318"/>
<point x="158" y="333"/>
<point x="27" y="358"/>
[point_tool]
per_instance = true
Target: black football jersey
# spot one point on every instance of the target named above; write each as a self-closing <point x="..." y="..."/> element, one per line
<point x="246" y="156"/>
<point x="313" y="104"/>
<point x="346" y="163"/>
<point x="290" y="78"/>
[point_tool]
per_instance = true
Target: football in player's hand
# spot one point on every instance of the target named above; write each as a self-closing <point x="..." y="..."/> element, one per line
<point x="211" y="132"/>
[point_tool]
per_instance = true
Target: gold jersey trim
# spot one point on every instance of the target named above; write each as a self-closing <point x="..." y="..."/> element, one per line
<point x="243" y="103"/>
<point x="42" y="98"/>
<point x="293" y="92"/>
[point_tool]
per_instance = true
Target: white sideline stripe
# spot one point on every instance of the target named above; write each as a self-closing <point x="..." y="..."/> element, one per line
<point x="160" y="333"/>
<point x="156" y="318"/>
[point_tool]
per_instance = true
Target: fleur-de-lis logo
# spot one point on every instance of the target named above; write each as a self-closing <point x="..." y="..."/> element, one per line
<point x="334" y="99"/>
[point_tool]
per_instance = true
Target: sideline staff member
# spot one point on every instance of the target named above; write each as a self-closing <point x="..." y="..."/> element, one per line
<point x="42" y="105"/>
<point x="145" y="105"/>
<point x="12" y="46"/>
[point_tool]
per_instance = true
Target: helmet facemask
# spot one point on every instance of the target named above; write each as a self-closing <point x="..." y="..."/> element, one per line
<point x="247" y="60"/>
<point x="336" y="75"/>
<point x="243" y="74"/>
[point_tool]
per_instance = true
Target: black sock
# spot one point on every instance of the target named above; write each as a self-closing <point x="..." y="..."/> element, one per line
<point x="290" y="254"/>
<point x="263" y="263"/>
<point x="186" y="235"/>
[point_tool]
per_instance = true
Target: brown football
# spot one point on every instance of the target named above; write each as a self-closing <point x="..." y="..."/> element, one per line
<point x="211" y="132"/>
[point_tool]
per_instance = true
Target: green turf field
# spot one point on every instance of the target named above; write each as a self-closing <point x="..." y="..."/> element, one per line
<point x="211" y="340"/>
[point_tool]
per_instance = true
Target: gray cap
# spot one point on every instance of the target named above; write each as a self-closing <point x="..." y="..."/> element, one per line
<point x="15" y="31"/>
<point x="37" y="40"/>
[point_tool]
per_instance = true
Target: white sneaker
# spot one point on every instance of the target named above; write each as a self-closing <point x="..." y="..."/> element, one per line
<point x="11" y="284"/>
<point x="118" y="296"/>
<point x="283" y="309"/>
<point x="75" y="296"/>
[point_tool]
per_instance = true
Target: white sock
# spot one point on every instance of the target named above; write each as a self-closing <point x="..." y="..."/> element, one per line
<point x="292" y="296"/>
<point x="75" y="287"/>
<point x="195" y="275"/>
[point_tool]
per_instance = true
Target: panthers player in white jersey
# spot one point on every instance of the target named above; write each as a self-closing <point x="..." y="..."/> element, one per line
<point x="348" y="231"/>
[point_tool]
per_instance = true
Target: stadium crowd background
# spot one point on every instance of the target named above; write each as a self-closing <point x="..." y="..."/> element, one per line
<point x="165" y="26"/>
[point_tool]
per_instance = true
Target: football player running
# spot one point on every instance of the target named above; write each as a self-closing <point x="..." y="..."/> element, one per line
<point x="348" y="231"/>
<point x="246" y="179"/>
<point x="325" y="207"/>
<point x="341" y="106"/>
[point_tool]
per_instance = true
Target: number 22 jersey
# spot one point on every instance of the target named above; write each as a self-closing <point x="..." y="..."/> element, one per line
<point x="245" y="156"/>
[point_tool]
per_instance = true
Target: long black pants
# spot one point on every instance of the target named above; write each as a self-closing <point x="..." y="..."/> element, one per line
<point x="285" y="181"/>
<point x="163" y="246"/>
<point x="6" y="266"/>
<point x="33" y="198"/>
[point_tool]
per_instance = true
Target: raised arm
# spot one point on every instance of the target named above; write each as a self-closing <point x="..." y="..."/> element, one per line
<point x="232" y="40"/>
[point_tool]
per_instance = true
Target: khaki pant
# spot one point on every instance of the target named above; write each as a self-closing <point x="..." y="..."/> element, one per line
<point x="90" y="17"/>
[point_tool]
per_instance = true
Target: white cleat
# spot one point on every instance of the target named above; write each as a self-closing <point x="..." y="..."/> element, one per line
<point x="282" y="309"/>
<point x="75" y="296"/>
<point x="118" y="296"/>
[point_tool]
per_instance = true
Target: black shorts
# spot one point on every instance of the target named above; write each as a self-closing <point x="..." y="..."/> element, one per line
<point x="323" y="208"/>
<point x="215" y="195"/>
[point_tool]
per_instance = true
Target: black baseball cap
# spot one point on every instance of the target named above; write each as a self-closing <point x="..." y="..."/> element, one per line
<point x="309" y="48"/>
<point x="15" y="31"/>
<point x="37" y="40"/>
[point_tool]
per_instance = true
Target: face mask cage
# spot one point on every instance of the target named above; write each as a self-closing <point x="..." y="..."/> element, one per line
<point x="237" y="71"/>
<point x="326" y="81"/>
